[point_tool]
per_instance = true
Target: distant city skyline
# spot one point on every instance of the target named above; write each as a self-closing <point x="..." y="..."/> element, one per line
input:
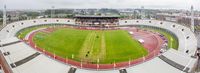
<point x="148" y="4"/>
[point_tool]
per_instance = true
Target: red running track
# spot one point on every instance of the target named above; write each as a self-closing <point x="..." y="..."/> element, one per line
<point x="152" y="42"/>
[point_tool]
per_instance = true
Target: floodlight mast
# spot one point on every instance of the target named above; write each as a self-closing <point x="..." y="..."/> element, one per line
<point x="52" y="11"/>
<point x="142" y="12"/>
<point x="4" y="16"/>
<point x="192" y="19"/>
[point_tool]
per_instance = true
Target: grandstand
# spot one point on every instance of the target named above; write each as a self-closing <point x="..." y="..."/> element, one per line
<point x="19" y="57"/>
<point x="96" y="21"/>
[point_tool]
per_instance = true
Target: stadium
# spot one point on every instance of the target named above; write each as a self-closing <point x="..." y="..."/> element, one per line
<point x="97" y="44"/>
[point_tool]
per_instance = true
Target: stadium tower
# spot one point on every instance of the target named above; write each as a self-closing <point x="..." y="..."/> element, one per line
<point x="192" y="19"/>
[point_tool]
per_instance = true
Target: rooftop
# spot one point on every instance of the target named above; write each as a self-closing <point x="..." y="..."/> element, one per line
<point x="96" y="16"/>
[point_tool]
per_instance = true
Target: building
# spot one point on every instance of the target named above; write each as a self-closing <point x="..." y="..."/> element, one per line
<point x="168" y="17"/>
<point x="178" y="18"/>
<point x="96" y="21"/>
<point x="130" y="14"/>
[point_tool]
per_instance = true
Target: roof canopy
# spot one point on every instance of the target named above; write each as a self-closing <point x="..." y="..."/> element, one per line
<point x="96" y="16"/>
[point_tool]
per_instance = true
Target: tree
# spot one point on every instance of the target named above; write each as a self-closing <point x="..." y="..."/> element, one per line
<point x="47" y="12"/>
<point x="105" y="10"/>
<point x="32" y="14"/>
<point x="148" y="16"/>
<point x="1" y="14"/>
<point x="9" y="17"/>
<point x="139" y="17"/>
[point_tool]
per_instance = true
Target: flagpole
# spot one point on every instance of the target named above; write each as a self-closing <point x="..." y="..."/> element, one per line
<point x="66" y="59"/>
<point x="97" y="64"/>
<point x="129" y="63"/>
<point x="81" y="64"/>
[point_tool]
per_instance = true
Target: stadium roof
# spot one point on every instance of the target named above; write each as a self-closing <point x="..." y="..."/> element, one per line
<point x="96" y="16"/>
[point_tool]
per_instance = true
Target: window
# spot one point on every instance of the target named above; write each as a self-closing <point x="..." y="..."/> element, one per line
<point x="34" y="21"/>
<point x="45" y="20"/>
<point x="57" y="20"/>
<point x="22" y="23"/>
<point x="68" y="21"/>
<point x="137" y="21"/>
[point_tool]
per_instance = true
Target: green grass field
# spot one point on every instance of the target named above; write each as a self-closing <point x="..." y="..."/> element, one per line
<point x="172" y="41"/>
<point x="90" y="45"/>
<point x="197" y="27"/>
<point x="22" y="34"/>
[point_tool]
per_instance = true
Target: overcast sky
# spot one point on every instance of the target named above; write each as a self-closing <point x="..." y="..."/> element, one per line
<point x="153" y="4"/>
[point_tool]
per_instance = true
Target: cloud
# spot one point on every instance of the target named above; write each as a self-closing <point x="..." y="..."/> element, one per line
<point x="45" y="4"/>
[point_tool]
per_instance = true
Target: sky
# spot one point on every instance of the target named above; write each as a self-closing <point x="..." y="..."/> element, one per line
<point x="148" y="4"/>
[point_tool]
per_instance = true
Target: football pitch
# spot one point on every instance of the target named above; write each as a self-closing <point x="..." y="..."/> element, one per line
<point x="94" y="46"/>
